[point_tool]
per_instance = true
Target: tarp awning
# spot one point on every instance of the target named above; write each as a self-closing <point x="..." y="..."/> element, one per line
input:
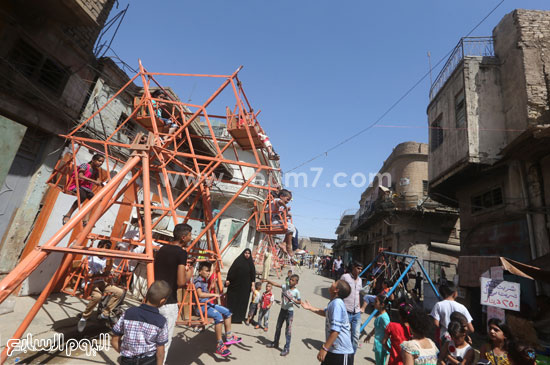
<point x="470" y="269"/>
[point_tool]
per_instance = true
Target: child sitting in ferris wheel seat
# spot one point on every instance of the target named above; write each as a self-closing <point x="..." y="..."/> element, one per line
<point x="267" y="144"/>
<point x="278" y="209"/>
<point x="159" y="94"/>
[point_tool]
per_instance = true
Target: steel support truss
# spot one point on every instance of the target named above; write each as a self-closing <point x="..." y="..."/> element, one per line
<point x="156" y="157"/>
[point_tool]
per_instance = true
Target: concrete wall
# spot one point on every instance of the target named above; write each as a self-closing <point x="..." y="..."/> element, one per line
<point x="481" y="138"/>
<point x="484" y="109"/>
<point x="522" y="39"/>
<point x="504" y="96"/>
<point x="15" y="237"/>
<point x="455" y="146"/>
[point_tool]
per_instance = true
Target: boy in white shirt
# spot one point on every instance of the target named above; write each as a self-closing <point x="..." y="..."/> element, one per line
<point x="441" y="312"/>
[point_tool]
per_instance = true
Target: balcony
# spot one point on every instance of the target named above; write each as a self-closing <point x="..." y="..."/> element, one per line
<point x="223" y="189"/>
<point x="383" y="205"/>
<point x="469" y="46"/>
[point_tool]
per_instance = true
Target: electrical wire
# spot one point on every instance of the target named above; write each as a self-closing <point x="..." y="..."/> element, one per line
<point x="370" y="126"/>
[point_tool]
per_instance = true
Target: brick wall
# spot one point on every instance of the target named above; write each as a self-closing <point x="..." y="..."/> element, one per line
<point x="85" y="36"/>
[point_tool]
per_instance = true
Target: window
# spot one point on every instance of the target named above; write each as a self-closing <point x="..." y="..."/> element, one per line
<point x="436" y="133"/>
<point x="38" y="68"/>
<point x="488" y="199"/>
<point x="25" y="58"/>
<point x="460" y="109"/>
<point x="425" y="187"/>
<point x="235" y="226"/>
<point x="250" y="237"/>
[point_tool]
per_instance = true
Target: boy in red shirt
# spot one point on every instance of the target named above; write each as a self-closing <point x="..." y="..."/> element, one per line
<point x="265" y="304"/>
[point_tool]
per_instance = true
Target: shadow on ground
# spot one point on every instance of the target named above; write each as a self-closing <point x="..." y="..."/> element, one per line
<point x="312" y="344"/>
<point x="187" y="347"/>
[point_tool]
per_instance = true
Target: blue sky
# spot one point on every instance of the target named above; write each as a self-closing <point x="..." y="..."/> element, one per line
<point x="320" y="72"/>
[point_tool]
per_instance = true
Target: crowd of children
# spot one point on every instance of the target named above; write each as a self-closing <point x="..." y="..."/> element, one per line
<point x="143" y="334"/>
<point x="410" y="340"/>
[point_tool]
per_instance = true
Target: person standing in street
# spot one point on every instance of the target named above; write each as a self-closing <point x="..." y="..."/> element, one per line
<point x="337" y="267"/>
<point x="171" y="266"/>
<point x="337" y="348"/>
<point x="240" y="282"/>
<point x="352" y="301"/>
<point x="442" y="310"/>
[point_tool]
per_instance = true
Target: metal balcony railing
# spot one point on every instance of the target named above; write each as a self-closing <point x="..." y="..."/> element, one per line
<point x="402" y="202"/>
<point x="468" y="46"/>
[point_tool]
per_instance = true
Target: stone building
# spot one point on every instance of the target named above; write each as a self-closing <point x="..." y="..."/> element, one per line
<point x="489" y="114"/>
<point x="344" y="240"/>
<point x="317" y="246"/>
<point x="396" y="214"/>
<point x="46" y="67"/>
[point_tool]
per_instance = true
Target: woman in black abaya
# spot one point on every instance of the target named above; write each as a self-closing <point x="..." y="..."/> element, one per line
<point x="240" y="280"/>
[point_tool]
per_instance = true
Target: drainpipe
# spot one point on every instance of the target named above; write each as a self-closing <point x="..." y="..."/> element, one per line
<point x="525" y="193"/>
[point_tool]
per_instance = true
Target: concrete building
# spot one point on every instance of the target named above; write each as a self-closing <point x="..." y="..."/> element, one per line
<point x="319" y="246"/>
<point x="46" y="66"/>
<point x="344" y="240"/>
<point x="396" y="214"/>
<point x="489" y="115"/>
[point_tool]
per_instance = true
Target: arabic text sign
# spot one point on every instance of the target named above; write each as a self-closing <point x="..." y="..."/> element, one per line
<point x="500" y="294"/>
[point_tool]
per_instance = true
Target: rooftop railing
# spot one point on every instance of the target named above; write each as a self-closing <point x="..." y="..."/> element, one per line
<point x="468" y="46"/>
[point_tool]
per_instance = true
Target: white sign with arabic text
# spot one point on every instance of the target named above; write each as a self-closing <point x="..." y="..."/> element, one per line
<point x="500" y="294"/>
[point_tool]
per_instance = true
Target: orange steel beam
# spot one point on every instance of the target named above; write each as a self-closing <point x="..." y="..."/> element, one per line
<point x="31" y="262"/>
<point x="103" y="107"/>
<point x="124" y="212"/>
<point x="41" y="221"/>
<point x="157" y="154"/>
<point x="101" y="253"/>
<point x="147" y="213"/>
<point x="235" y="196"/>
<point x="68" y="258"/>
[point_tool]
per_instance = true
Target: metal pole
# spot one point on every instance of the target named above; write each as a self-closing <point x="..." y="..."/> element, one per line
<point x="35" y="258"/>
<point x="369" y="265"/>
<point x="389" y="293"/>
<point x="429" y="280"/>
<point x="147" y="218"/>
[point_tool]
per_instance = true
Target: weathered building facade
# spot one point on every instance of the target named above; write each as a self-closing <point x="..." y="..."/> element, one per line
<point x="396" y="214"/>
<point x="489" y="150"/>
<point x="345" y="241"/>
<point x="46" y="67"/>
<point x="317" y="246"/>
<point x="489" y="117"/>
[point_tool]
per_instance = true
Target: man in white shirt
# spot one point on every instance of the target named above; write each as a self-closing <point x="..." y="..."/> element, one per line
<point x="441" y="312"/>
<point x="352" y="301"/>
<point x="337" y="267"/>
